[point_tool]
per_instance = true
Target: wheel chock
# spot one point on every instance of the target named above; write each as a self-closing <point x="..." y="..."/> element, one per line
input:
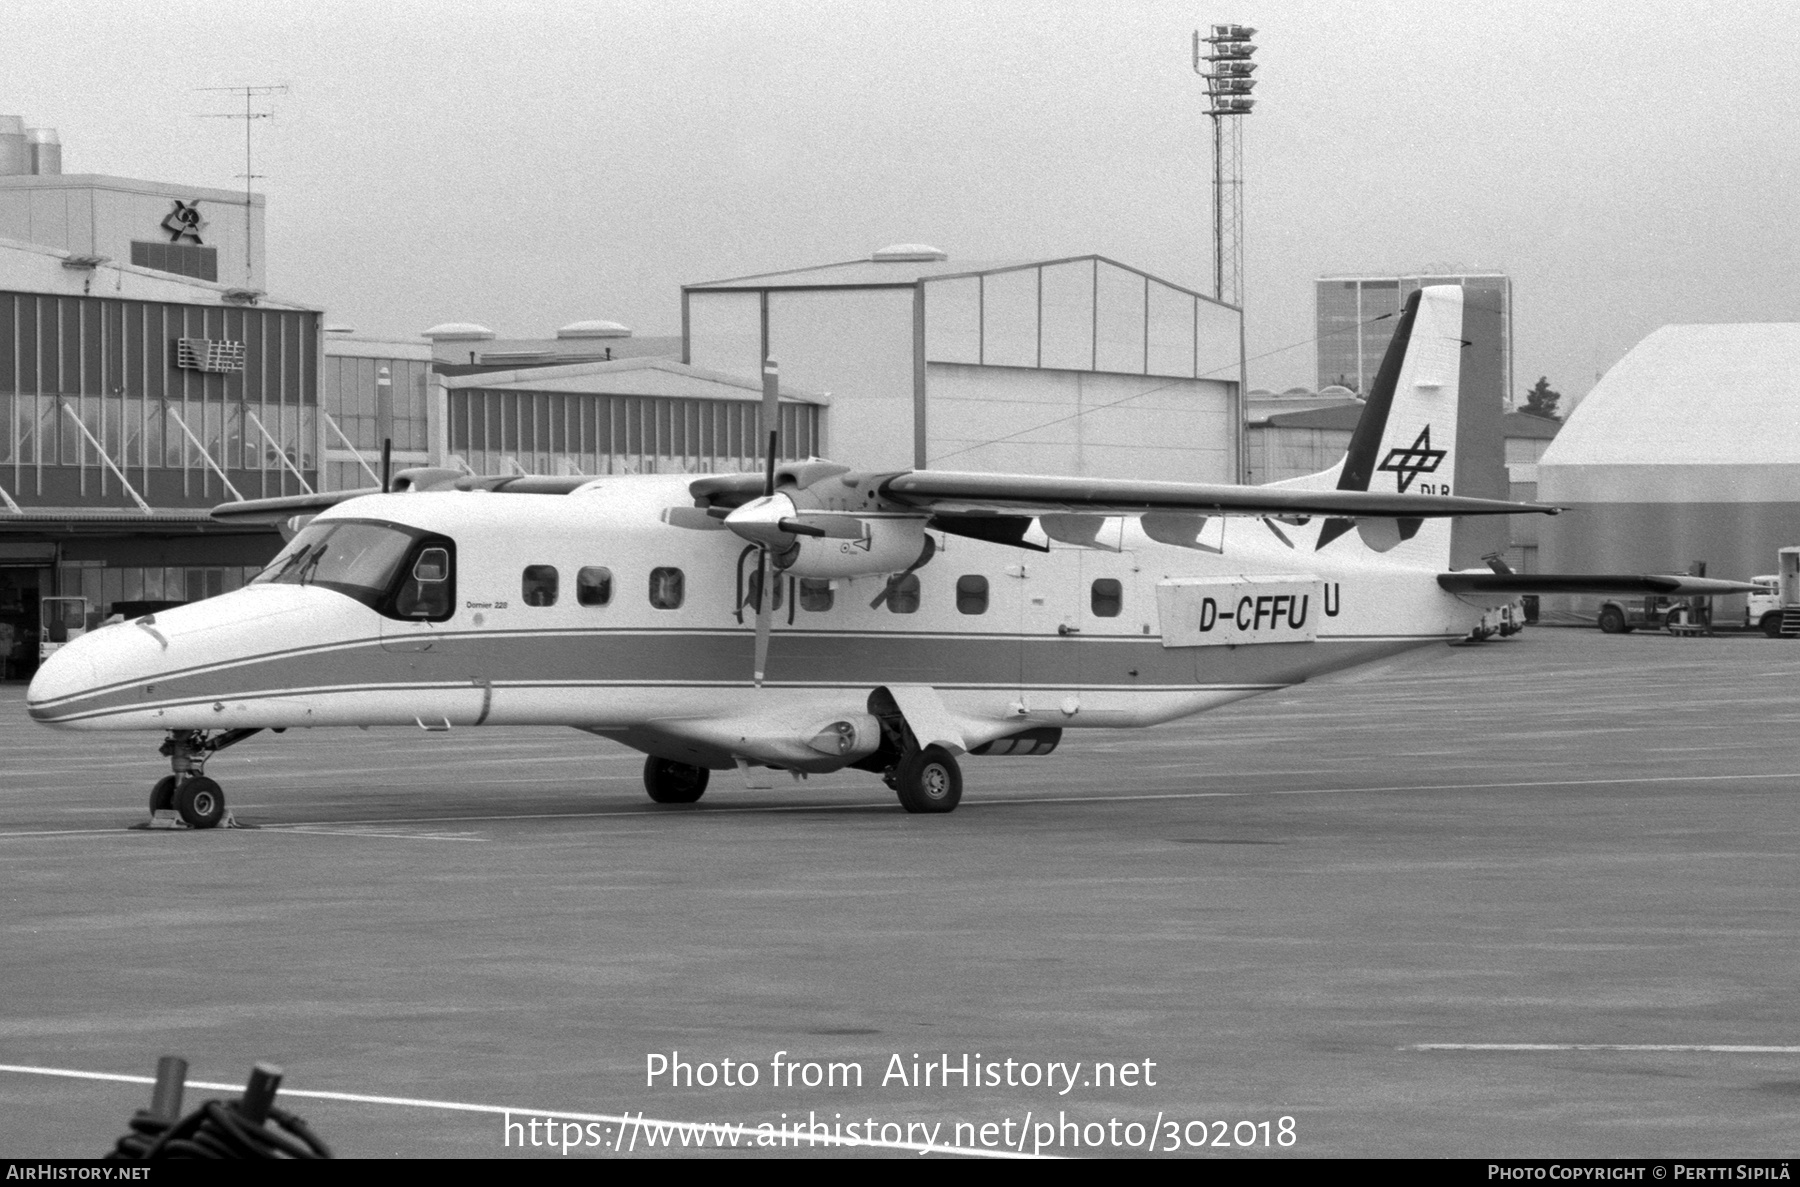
<point x="165" y="818"/>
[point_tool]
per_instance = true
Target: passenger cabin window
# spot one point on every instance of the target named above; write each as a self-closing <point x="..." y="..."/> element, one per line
<point x="666" y="589"/>
<point x="538" y="587"/>
<point x="972" y="594"/>
<point x="815" y="594"/>
<point x="903" y="594"/>
<point x="593" y="586"/>
<point x="1108" y="598"/>
<point x="426" y="591"/>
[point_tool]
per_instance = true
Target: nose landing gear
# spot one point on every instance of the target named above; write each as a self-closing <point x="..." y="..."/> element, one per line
<point x="188" y="793"/>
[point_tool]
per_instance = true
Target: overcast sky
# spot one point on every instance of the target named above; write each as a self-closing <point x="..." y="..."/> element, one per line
<point x="525" y="165"/>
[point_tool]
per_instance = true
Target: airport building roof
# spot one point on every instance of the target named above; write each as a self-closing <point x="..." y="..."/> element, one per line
<point x="1694" y="413"/>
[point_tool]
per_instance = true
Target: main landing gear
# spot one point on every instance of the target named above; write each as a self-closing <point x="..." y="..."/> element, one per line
<point x="926" y="780"/>
<point x="199" y="801"/>
<point x="671" y="782"/>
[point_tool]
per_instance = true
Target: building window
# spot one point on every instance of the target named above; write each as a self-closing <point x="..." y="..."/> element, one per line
<point x="666" y="592"/>
<point x="815" y="594"/>
<point x="1108" y="598"/>
<point x="972" y="594"/>
<point x="593" y="586"/>
<point x="539" y="585"/>
<point x="183" y="259"/>
<point x="903" y="594"/>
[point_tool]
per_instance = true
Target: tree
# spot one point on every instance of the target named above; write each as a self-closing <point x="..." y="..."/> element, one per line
<point x="1541" y="400"/>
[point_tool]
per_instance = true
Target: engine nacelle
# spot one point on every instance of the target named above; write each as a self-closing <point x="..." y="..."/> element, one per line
<point x="889" y="546"/>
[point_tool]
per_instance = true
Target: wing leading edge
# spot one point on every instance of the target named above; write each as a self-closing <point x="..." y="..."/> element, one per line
<point x="1668" y="585"/>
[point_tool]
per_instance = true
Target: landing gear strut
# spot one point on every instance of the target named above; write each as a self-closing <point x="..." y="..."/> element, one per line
<point x="671" y="782"/>
<point x="198" y="800"/>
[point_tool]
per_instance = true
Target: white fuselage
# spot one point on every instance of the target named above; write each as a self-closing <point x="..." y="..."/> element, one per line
<point x="1042" y="647"/>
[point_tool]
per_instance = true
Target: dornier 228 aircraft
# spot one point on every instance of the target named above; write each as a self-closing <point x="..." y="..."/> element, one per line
<point x="813" y="617"/>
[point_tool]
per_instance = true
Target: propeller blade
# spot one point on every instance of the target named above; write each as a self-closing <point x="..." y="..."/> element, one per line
<point x="693" y="518"/>
<point x="836" y="527"/>
<point x="925" y="555"/>
<point x="769" y="463"/>
<point x="765" y="612"/>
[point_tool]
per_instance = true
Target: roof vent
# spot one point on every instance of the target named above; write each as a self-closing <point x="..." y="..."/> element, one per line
<point x="900" y="253"/>
<point x="594" y="329"/>
<point x="459" y="331"/>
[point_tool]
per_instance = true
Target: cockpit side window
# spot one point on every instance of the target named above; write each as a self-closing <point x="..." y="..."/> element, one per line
<point x="397" y="571"/>
<point x="426" y="591"/>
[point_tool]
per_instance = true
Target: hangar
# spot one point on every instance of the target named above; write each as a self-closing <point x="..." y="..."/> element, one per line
<point x="1687" y="450"/>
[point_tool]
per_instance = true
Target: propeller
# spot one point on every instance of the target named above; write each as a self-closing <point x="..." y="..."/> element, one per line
<point x="893" y="583"/>
<point x="765" y="584"/>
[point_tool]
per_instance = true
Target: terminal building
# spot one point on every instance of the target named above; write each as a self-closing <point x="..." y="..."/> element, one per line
<point x="147" y="375"/>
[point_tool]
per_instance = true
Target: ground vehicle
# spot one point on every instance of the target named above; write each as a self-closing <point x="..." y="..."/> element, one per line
<point x="64" y="620"/>
<point x="1621" y="616"/>
<point x="1762" y="610"/>
<point x="1776" y="609"/>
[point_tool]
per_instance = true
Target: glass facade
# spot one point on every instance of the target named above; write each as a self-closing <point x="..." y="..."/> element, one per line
<point x="1351" y="342"/>
<point x="351" y="391"/>
<point x="555" y="433"/>
<point x="82" y="375"/>
<point x="104" y="585"/>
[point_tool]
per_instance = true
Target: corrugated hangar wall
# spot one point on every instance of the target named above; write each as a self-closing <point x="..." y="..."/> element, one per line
<point x="1687" y="450"/>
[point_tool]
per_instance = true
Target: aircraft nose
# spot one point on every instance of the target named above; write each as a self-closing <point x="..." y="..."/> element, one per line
<point x="69" y="672"/>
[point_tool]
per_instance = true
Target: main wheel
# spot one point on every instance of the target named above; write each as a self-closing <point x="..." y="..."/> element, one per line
<point x="1612" y="620"/>
<point x="928" y="781"/>
<point x="162" y="796"/>
<point x="671" y="782"/>
<point x="201" y="802"/>
<point x="1771" y="624"/>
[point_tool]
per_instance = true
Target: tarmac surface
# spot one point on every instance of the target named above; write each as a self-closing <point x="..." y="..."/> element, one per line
<point x="1314" y="905"/>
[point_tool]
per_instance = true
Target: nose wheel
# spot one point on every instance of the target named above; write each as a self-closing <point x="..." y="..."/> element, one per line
<point x="198" y="801"/>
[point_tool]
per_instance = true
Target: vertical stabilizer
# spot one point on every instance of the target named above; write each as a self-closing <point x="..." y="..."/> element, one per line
<point x="1405" y="441"/>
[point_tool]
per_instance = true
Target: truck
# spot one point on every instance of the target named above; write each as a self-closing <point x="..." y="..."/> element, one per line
<point x="1776" y="609"/>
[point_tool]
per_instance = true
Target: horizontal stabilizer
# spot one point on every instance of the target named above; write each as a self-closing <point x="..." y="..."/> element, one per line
<point x="1668" y="585"/>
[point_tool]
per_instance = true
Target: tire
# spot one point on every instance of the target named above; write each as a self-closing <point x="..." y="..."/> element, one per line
<point x="929" y="781"/>
<point x="1771" y="624"/>
<point x="162" y="796"/>
<point x="201" y="802"/>
<point x="671" y="782"/>
<point x="1612" y="620"/>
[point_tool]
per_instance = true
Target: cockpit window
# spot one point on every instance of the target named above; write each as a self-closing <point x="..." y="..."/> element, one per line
<point x="365" y="560"/>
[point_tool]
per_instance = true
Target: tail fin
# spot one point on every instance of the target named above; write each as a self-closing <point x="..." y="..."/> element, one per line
<point x="1405" y="441"/>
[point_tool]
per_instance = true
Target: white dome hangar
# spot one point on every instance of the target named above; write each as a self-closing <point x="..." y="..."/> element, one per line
<point x="1687" y="450"/>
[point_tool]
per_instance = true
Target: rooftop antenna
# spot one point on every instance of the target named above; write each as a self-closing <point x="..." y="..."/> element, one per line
<point x="249" y="116"/>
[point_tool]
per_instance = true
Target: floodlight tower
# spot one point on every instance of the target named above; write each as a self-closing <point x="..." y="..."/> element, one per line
<point x="1227" y="67"/>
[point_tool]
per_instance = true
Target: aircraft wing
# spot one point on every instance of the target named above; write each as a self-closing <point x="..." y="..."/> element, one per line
<point x="945" y="492"/>
<point x="285" y="507"/>
<point x="1668" y="585"/>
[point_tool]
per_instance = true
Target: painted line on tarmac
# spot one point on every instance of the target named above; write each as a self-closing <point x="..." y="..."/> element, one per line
<point x="626" y="1122"/>
<point x="1007" y="802"/>
<point x="1720" y="1048"/>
